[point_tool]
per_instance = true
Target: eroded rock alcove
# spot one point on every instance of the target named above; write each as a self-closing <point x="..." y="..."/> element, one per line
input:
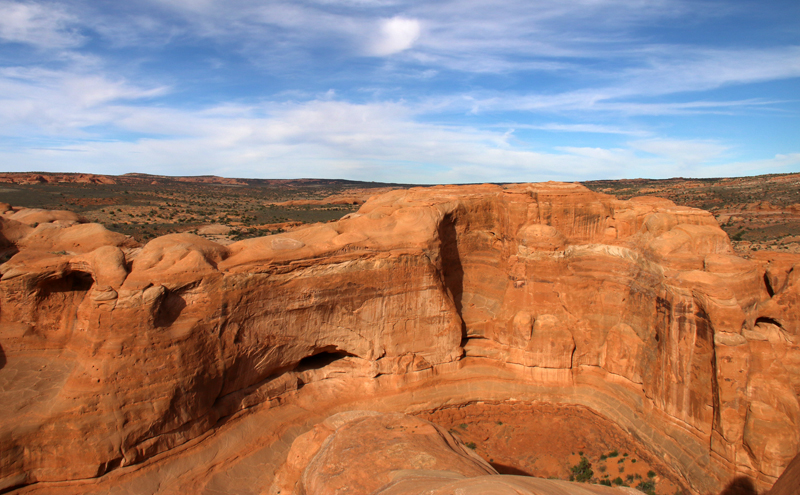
<point x="187" y="366"/>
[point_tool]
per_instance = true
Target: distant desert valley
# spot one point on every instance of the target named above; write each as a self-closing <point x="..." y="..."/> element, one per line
<point x="181" y="335"/>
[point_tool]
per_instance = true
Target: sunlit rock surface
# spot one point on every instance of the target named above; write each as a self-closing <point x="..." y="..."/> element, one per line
<point x="187" y="366"/>
<point x="395" y="454"/>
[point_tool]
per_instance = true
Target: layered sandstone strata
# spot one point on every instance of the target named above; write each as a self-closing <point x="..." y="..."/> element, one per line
<point x="407" y="456"/>
<point x="117" y="358"/>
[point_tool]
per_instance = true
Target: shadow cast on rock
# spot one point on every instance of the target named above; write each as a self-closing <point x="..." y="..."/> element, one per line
<point x="169" y="310"/>
<point x="503" y="469"/>
<point x="740" y="486"/>
<point x="2" y="358"/>
<point x="453" y="271"/>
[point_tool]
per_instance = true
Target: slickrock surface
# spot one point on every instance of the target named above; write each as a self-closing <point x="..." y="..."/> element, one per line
<point x="395" y="454"/>
<point x="185" y="366"/>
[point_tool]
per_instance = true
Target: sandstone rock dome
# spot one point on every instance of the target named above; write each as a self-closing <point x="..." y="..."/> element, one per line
<point x="185" y="366"/>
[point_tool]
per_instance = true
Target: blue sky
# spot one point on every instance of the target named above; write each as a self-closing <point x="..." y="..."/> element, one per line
<point x="407" y="91"/>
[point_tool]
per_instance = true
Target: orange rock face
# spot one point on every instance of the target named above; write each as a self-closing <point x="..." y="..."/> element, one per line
<point x="130" y="365"/>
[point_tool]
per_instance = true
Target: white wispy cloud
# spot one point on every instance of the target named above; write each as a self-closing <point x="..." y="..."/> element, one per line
<point x="580" y="128"/>
<point x="683" y="152"/>
<point x="472" y="36"/>
<point x="330" y="138"/>
<point x="46" y="26"/>
<point x="396" y="35"/>
<point x="682" y="68"/>
<point x="53" y="102"/>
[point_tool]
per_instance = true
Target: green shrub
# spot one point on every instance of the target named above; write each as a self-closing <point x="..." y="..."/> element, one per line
<point x="582" y="472"/>
<point x="648" y="487"/>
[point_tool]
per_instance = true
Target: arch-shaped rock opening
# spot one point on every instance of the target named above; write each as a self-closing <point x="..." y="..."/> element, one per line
<point x="169" y="309"/>
<point x="73" y="281"/>
<point x="740" y="486"/>
<point x="321" y="359"/>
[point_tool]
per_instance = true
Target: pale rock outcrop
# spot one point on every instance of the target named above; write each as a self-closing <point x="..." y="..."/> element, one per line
<point x="35" y="216"/>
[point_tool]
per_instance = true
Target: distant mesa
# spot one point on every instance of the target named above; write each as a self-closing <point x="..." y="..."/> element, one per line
<point x="27" y="178"/>
<point x="186" y="366"/>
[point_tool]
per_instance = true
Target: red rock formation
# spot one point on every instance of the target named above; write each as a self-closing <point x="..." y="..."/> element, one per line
<point x="33" y="178"/>
<point x="121" y="359"/>
<point x="789" y="481"/>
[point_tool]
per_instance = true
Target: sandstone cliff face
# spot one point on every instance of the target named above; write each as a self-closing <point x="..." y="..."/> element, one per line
<point x="638" y="309"/>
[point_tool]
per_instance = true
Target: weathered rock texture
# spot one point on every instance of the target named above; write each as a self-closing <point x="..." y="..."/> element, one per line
<point x="405" y="456"/>
<point x="119" y="358"/>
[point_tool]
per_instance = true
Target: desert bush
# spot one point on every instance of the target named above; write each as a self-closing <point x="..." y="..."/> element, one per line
<point x="582" y="472"/>
<point x="648" y="487"/>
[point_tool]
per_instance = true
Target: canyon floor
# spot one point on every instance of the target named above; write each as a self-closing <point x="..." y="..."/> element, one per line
<point x="551" y="441"/>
